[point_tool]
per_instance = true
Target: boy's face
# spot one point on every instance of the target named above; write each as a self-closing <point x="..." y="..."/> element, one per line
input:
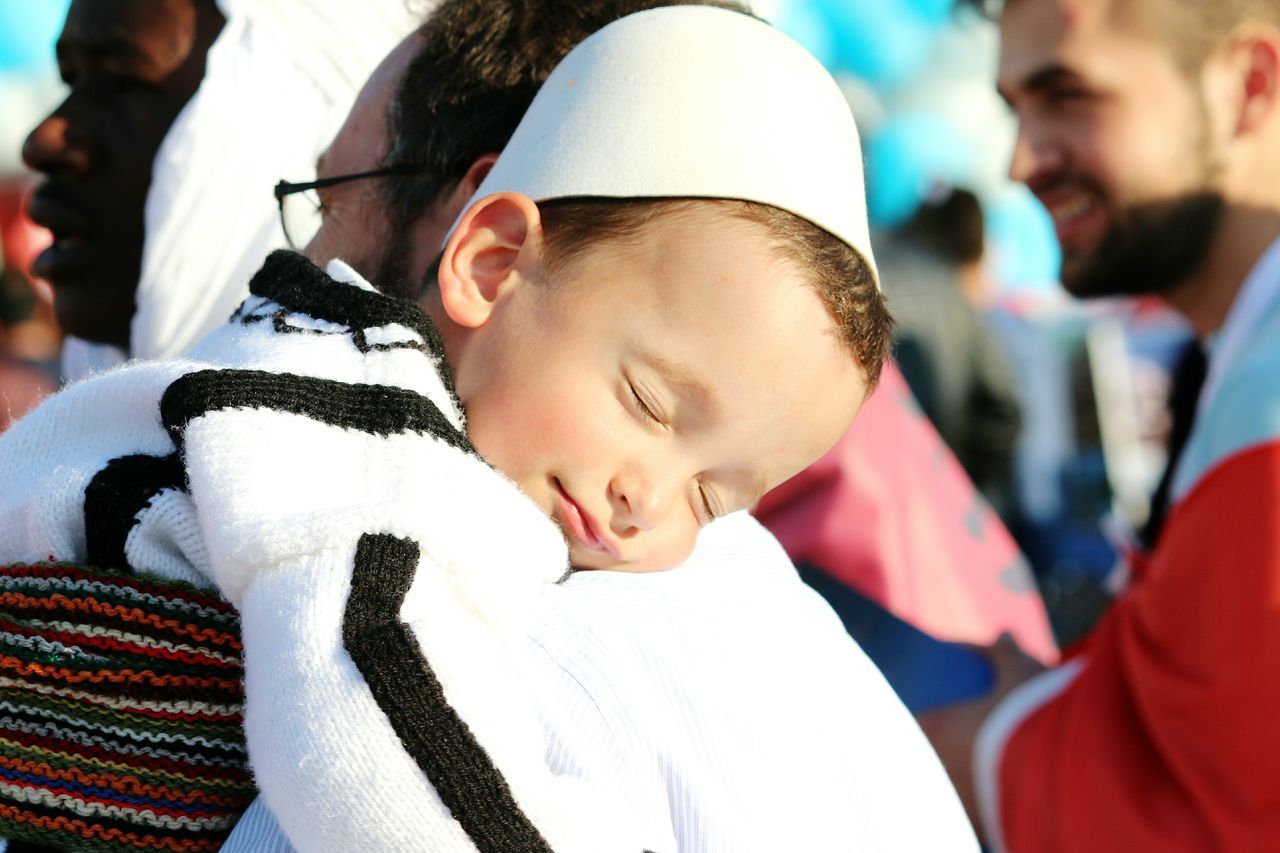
<point x="655" y="383"/>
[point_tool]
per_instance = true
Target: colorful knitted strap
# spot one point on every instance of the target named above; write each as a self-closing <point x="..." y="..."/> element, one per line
<point x="121" y="712"/>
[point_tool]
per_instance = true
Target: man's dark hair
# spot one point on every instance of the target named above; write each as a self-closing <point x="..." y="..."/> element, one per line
<point x="464" y="93"/>
<point x="952" y="227"/>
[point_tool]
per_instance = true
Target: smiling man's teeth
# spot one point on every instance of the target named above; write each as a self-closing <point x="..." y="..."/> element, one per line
<point x="1071" y="210"/>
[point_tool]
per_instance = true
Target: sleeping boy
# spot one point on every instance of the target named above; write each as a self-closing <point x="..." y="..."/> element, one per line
<point x="661" y="305"/>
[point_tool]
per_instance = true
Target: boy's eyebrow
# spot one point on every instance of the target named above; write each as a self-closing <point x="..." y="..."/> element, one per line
<point x="685" y="381"/>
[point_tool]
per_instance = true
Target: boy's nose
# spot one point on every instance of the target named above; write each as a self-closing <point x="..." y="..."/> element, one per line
<point x="640" y="501"/>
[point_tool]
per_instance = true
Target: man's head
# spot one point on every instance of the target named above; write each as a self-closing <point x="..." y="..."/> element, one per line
<point x="131" y="66"/>
<point x="352" y="222"/>
<point x="455" y="90"/>
<point x="1140" y="123"/>
<point x="663" y="303"/>
<point x="953" y="227"/>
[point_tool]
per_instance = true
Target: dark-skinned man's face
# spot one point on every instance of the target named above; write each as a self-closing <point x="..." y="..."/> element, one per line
<point x="131" y="66"/>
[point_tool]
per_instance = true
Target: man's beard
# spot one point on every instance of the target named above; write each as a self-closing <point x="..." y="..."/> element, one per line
<point x="391" y="273"/>
<point x="1150" y="248"/>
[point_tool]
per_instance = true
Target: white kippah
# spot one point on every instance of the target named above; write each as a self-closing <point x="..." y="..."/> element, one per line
<point x="693" y="101"/>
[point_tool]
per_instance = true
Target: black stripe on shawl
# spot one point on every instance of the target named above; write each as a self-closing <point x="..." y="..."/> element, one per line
<point x="403" y="684"/>
<point x="296" y="284"/>
<point x="116" y="495"/>
<point x="375" y="409"/>
<point x="299" y="286"/>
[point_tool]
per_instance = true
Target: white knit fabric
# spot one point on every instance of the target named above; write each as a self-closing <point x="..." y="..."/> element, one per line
<point x="728" y="692"/>
<point x="693" y="101"/>
<point x="278" y="498"/>
<point x="278" y="82"/>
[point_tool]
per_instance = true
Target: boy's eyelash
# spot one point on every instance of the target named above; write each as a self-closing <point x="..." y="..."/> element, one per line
<point x="706" y="502"/>
<point x="644" y="407"/>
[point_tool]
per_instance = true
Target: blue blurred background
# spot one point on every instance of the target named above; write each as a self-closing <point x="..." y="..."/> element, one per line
<point x="920" y="76"/>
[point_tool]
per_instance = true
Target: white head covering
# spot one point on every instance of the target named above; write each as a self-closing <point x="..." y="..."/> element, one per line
<point x="278" y="83"/>
<point x="693" y="101"/>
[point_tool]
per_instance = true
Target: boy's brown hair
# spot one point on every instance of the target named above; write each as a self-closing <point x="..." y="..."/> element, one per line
<point x="838" y="274"/>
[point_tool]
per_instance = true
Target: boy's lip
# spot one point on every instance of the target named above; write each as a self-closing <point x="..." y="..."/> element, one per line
<point x="584" y="528"/>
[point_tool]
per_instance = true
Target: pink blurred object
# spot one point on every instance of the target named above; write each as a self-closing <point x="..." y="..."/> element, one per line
<point x="22" y="239"/>
<point x="21" y="388"/>
<point x="890" y="513"/>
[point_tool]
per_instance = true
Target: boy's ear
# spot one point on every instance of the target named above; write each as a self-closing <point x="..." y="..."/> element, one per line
<point x="492" y="250"/>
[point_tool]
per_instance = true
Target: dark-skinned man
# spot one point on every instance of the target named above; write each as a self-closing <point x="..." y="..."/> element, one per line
<point x="155" y="160"/>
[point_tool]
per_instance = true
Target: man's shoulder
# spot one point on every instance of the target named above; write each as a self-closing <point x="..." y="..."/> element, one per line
<point x="733" y="682"/>
<point x="706" y="636"/>
<point x="737" y="574"/>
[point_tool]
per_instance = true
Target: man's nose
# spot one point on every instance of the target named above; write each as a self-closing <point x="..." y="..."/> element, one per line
<point x="1033" y="157"/>
<point x="56" y="146"/>
<point x="641" y="500"/>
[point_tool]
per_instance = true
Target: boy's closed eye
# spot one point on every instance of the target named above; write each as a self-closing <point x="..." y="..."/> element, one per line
<point x="647" y="412"/>
<point x="645" y="408"/>
<point x="705" y="494"/>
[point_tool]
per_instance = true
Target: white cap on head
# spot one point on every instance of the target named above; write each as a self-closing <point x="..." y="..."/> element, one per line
<point x="693" y="101"/>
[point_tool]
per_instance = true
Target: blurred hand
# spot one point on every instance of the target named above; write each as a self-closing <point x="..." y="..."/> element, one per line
<point x="952" y="730"/>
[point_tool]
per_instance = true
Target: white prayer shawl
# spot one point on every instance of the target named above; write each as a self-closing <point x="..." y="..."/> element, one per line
<point x="310" y="459"/>
<point x="278" y="83"/>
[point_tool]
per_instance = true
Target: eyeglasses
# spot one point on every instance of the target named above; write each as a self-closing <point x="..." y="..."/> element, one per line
<point x="300" y="207"/>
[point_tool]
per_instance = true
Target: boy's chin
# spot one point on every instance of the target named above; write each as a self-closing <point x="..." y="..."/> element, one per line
<point x="667" y="553"/>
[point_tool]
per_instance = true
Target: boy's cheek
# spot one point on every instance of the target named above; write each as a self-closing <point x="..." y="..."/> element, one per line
<point x="673" y="548"/>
